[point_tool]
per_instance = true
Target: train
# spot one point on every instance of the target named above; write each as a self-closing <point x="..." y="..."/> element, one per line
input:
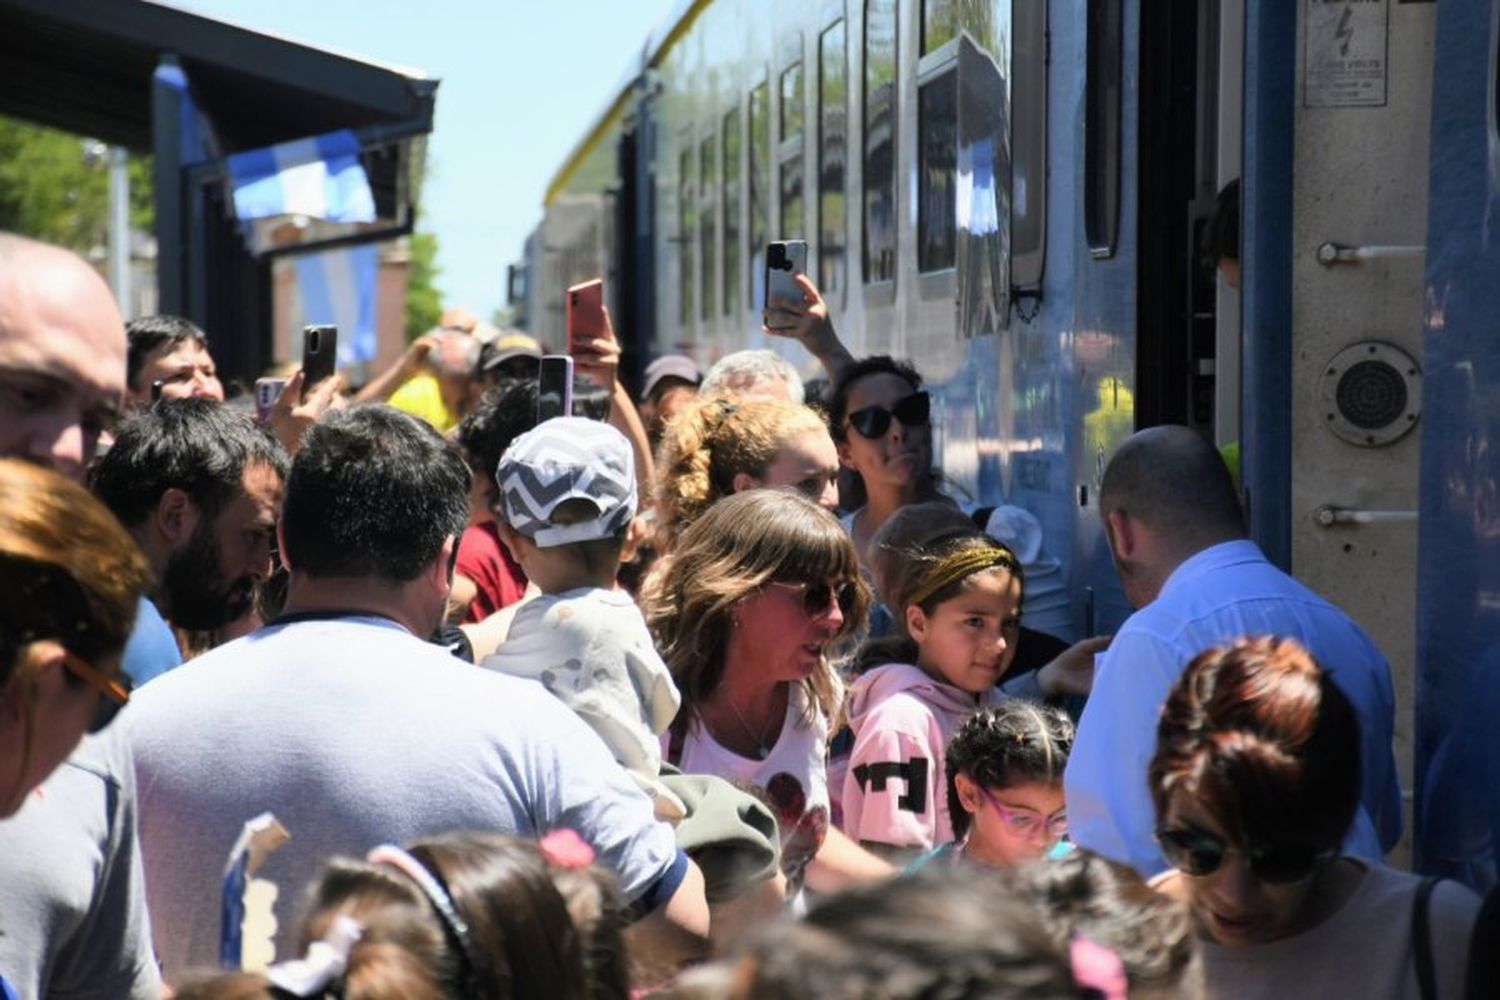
<point x="1014" y="195"/>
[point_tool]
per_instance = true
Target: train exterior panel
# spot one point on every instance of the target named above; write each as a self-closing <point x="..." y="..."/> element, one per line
<point x="1012" y="194"/>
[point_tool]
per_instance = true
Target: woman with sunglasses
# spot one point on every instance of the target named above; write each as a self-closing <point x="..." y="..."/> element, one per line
<point x="713" y="448"/>
<point x="880" y="416"/>
<point x="759" y="591"/>
<point x="1255" y="781"/>
<point x="70" y="580"/>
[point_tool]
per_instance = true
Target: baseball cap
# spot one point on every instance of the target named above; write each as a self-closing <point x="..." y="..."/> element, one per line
<point x="670" y="366"/>
<point x="507" y="346"/>
<point x="567" y="458"/>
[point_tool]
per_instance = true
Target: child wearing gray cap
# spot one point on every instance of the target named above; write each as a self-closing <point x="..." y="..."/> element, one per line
<point x="567" y="496"/>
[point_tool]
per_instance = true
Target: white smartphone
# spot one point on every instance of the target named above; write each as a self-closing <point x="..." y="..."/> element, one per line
<point x="554" y="391"/>
<point x="267" y="391"/>
<point x="785" y="259"/>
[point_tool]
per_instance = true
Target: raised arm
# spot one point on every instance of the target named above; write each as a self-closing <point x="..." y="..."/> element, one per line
<point x="808" y="322"/>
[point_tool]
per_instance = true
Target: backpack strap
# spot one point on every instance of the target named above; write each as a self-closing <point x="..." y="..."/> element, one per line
<point x="1421" y="934"/>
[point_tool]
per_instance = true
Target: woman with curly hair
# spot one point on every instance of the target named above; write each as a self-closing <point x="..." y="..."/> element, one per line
<point x="714" y="448"/>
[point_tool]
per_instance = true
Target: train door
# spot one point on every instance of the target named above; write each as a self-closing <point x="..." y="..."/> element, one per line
<point x="1360" y="132"/>
<point x="1188" y="135"/>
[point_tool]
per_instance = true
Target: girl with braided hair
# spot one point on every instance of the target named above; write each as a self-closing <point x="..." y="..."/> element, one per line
<point x="1004" y="785"/>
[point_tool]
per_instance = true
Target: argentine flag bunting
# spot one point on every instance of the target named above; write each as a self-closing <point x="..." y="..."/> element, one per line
<point x="320" y="177"/>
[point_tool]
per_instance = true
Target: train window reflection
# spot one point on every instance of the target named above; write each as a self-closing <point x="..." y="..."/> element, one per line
<point x="833" y="103"/>
<point x="937" y="131"/>
<point x="879" y="251"/>
<point x="760" y="166"/>
<point x="686" y="210"/>
<point x="940" y="23"/>
<point x="789" y="159"/>
<point x="1028" y="129"/>
<point x="731" y="136"/>
<point x="708" y="298"/>
<point x="1101" y="127"/>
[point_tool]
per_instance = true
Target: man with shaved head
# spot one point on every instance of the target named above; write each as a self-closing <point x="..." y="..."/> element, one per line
<point x="72" y="903"/>
<point x="1178" y="539"/>
<point x="62" y="355"/>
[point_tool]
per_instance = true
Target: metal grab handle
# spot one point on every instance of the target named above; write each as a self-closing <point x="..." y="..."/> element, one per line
<point x="1337" y="253"/>
<point x="1328" y="516"/>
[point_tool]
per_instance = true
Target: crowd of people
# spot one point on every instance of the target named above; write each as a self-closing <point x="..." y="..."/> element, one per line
<point x="718" y="693"/>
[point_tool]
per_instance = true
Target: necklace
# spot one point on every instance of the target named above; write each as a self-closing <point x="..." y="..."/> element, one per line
<point x="761" y="750"/>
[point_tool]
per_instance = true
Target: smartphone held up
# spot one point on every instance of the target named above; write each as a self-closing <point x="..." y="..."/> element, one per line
<point x="585" y="316"/>
<point x="785" y="259"/>
<point x="320" y="348"/>
<point x="554" y="391"/>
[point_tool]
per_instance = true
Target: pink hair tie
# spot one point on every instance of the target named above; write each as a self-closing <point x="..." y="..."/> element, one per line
<point x="565" y="849"/>
<point x="1098" y="970"/>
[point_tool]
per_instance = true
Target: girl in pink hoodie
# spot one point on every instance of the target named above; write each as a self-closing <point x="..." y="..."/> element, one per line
<point x="957" y="602"/>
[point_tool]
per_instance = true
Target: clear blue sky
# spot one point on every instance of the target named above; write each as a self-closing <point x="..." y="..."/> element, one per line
<point x="521" y="81"/>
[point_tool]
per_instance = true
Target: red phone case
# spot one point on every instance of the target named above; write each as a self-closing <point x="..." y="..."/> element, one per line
<point x="585" y="314"/>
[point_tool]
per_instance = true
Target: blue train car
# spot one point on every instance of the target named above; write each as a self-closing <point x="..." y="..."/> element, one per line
<point x="1014" y="195"/>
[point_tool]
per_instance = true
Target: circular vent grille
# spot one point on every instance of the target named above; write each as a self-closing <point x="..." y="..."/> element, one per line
<point x="1370" y="393"/>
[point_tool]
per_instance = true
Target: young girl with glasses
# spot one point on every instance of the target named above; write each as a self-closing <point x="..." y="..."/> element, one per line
<point x="958" y="606"/>
<point x="1255" y="782"/>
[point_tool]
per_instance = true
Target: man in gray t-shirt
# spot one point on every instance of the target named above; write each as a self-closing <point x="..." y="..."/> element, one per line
<point x="340" y="720"/>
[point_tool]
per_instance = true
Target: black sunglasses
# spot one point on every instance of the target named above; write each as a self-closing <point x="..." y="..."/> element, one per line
<point x="818" y="598"/>
<point x="874" y="421"/>
<point x="1197" y="853"/>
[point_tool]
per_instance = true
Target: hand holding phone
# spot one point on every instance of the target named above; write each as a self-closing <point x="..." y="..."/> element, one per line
<point x="585" y="316"/>
<point x="554" y="391"/>
<point x="320" y="347"/>
<point x="785" y="260"/>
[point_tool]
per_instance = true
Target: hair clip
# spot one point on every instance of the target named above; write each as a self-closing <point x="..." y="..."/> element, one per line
<point x="324" y="963"/>
<point x="1097" y="970"/>
<point x="564" y="848"/>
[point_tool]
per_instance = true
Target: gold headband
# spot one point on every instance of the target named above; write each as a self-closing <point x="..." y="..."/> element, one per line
<point x="961" y="564"/>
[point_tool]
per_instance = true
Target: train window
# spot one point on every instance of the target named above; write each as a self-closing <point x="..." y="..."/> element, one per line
<point x="833" y="104"/>
<point x="1101" y="127"/>
<point x="940" y="23"/>
<point x="686" y="211"/>
<point x="789" y="157"/>
<point x="731" y="136"/>
<point x="1028" y="143"/>
<point x="879" y="250"/>
<point x="937" y="157"/>
<point x="708" y="299"/>
<point x="759" y="174"/>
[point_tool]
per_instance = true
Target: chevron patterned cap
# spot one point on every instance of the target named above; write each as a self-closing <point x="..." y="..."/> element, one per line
<point x="561" y="459"/>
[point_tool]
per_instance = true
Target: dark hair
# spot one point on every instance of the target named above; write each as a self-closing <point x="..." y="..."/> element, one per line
<point x="877" y="364"/>
<point x="1221" y="233"/>
<point x="1258" y="735"/>
<point x="941" y="932"/>
<point x="1084" y="895"/>
<point x="1014" y="743"/>
<point x="502" y="414"/>
<point x="373" y="493"/>
<point x="198" y="446"/>
<point x="1173" y="478"/>
<point x="533" y="929"/>
<point x="144" y="336"/>
<point x="910" y="544"/>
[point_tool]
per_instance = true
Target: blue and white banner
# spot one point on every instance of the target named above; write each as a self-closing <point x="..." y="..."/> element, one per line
<point x="320" y="177"/>
<point x="196" y="140"/>
<point x="338" y="287"/>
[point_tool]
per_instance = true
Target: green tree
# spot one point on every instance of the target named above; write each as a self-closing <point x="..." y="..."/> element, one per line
<point x="54" y="186"/>
<point x="424" y="302"/>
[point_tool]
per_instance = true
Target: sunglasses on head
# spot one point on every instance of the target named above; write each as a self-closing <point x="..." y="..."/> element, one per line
<point x="114" y="691"/>
<point x="818" y="598"/>
<point x="1197" y="853"/>
<point x="874" y="421"/>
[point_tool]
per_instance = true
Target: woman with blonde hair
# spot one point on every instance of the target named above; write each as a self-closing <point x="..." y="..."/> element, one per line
<point x="70" y="581"/>
<point x="715" y="448"/>
<point x="759" y="592"/>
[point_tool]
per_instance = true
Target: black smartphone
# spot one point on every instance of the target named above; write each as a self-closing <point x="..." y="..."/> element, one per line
<point x="320" y="348"/>
<point x="785" y="259"/>
<point x="554" y="391"/>
<point x="156" y="390"/>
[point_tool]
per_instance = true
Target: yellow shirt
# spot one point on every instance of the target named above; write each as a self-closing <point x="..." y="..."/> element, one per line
<point x="421" y="397"/>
